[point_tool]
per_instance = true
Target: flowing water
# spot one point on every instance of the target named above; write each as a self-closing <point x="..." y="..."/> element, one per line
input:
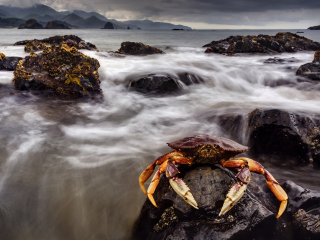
<point x="69" y="169"/>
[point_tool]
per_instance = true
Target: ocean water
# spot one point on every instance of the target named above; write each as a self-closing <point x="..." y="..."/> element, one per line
<point x="69" y="169"/>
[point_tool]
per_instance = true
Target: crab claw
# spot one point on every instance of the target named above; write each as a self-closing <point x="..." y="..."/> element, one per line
<point x="237" y="190"/>
<point x="233" y="196"/>
<point x="183" y="191"/>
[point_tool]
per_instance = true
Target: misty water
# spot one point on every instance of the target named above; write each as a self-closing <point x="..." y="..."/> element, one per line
<point x="69" y="169"/>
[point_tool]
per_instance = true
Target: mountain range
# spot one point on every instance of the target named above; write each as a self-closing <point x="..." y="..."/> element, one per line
<point x="14" y="16"/>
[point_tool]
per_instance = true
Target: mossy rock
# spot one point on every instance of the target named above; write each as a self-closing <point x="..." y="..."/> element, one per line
<point x="59" y="70"/>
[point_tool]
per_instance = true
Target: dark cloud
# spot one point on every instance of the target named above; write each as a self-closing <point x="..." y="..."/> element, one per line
<point x="225" y="12"/>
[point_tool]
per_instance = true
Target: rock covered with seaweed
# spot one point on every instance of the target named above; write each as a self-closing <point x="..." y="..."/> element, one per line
<point x="281" y="42"/>
<point x="71" y="40"/>
<point x="60" y="70"/>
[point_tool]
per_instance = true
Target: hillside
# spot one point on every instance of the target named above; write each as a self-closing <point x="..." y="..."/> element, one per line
<point x="77" y="19"/>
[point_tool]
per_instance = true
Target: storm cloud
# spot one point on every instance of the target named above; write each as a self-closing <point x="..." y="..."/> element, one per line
<point x="269" y="13"/>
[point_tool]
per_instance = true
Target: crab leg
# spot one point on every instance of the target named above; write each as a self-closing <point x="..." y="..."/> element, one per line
<point x="162" y="161"/>
<point x="155" y="181"/>
<point x="237" y="190"/>
<point x="150" y="169"/>
<point x="271" y="181"/>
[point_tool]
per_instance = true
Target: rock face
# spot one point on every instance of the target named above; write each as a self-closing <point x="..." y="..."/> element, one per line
<point x="108" y="25"/>
<point x="160" y="83"/>
<point x="31" y="24"/>
<point x="281" y="42"/>
<point x="36" y="45"/>
<point x="176" y="219"/>
<point x="135" y="48"/>
<point x="314" y="28"/>
<point x="56" y="25"/>
<point x="285" y="136"/>
<point x="9" y="63"/>
<point x="311" y="70"/>
<point x="60" y="71"/>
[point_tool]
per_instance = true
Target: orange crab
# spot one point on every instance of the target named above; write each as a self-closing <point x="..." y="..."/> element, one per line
<point x="213" y="150"/>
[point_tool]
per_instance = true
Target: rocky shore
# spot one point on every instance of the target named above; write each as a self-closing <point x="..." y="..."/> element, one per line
<point x="281" y="42"/>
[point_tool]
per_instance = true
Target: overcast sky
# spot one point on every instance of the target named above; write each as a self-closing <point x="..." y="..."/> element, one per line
<point x="209" y="14"/>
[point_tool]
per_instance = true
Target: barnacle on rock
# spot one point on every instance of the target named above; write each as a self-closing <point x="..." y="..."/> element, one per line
<point x="167" y="218"/>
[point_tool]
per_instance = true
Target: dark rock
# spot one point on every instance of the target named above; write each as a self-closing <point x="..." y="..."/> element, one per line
<point x="137" y="48"/>
<point x="56" y="25"/>
<point x="311" y="70"/>
<point x="160" y="83"/>
<point x="280" y="134"/>
<point x="156" y="83"/>
<point x="108" y="25"/>
<point x="59" y="71"/>
<point x="277" y="60"/>
<point x="56" y="40"/>
<point x="281" y="42"/>
<point x="31" y="24"/>
<point x="9" y="63"/>
<point x="209" y="186"/>
<point x="314" y="28"/>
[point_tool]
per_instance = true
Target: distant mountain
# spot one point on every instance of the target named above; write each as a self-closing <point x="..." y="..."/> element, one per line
<point x="90" y="14"/>
<point x="147" y="24"/>
<point x="91" y="22"/>
<point x="72" y="18"/>
<point x="45" y="18"/>
<point x="77" y="19"/>
<point x="10" y="22"/>
<point x="314" y="28"/>
<point x="39" y="9"/>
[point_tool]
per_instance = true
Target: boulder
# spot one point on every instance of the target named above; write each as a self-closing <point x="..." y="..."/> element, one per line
<point x="280" y="134"/>
<point x="56" y="40"/>
<point x="108" y="25"/>
<point x="284" y="136"/>
<point x="31" y="24"/>
<point x="311" y="70"/>
<point x="138" y="48"/>
<point x="163" y="83"/>
<point x="9" y="63"/>
<point x="60" y="71"/>
<point x="176" y="219"/>
<point x="281" y="42"/>
<point x="56" y="25"/>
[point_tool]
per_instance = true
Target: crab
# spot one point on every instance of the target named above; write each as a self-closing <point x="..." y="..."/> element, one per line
<point x="201" y="149"/>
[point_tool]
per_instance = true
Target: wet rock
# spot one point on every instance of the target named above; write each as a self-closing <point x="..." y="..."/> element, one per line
<point x="281" y="42"/>
<point x="60" y="71"/>
<point x="56" y="25"/>
<point x="9" y="63"/>
<point x="277" y="60"/>
<point x="34" y="46"/>
<point x="57" y="40"/>
<point x="31" y="24"/>
<point x="311" y="70"/>
<point x="209" y="186"/>
<point x="108" y="25"/>
<point x="138" y="48"/>
<point x="280" y="134"/>
<point x="156" y="83"/>
<point x="163" y="83"/>
<point x="308" y="223"/>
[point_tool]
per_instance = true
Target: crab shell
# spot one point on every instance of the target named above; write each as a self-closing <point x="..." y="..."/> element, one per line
<point x="208" y="149"/>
